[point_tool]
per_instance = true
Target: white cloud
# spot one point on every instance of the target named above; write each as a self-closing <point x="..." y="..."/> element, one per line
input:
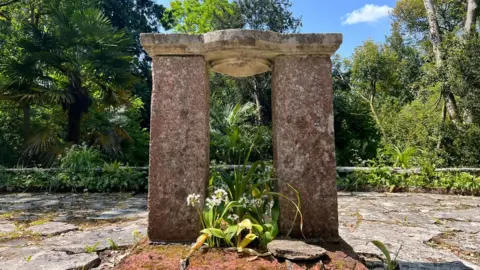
<point x="368" y="13"/>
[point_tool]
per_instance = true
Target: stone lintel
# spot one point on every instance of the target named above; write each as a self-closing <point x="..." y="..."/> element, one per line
<point x="240" y="52"/>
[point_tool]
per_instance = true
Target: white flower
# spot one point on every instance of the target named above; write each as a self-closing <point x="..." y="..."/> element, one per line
<point x="233" y="217"/>
<point x="220" y="194"/>
<point x="193" y="200"/>
<point x="257" y="202"/>
<point x="244" y="201"/>
<point x="212" y="202"/>
<point x="270" y="207"/>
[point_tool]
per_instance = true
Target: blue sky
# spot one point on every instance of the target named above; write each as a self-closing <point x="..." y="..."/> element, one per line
<point x="357" y="20"/>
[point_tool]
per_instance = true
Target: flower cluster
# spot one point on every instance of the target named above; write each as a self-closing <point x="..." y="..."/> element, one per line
<point x="219" y="196"/>
<point x="247" y="202"/>
<point x="193" y="200"/>
<point x="233" y="217"/>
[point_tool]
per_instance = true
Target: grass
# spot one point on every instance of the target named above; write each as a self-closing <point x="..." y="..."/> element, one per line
<point x="92" y="248"/>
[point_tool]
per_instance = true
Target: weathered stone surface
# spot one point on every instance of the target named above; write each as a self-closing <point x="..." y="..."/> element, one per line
<point x="410" y="221"/>
<point x="53" y="260"/>
<point x="179" y="146"/>
<point x="295" y="250"/>
<point x="303" y="143"/>
<point x="240" y="52"/>
<point x="52" y="228"/>
<point x="75" y="242"/>
<point x="77" y="207"/>
<point x="470" y="214"/>
<point x="417" y="252"/>
<point x="7" y="227"/>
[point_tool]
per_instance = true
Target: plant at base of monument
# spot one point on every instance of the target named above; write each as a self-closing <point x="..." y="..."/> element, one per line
<point x="389" y="264"/>
<point x="242" y="210"/>
<point x="137" y="236"/>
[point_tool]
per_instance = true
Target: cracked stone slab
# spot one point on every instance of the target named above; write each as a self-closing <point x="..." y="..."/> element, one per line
<point x="471" y="214"/>
<point x="468" y="242"/>
<point x="73" y="206"/>
<point x="452" y="225"/>
<point x="53" y="260"/>
<point x="121" y="214"/>
<point x="433" y="266"/>
<point x="52" y="228"/>
<point x="98" y="238"/>
<point x="427" y="214"/>
<point x="410" y="239"/>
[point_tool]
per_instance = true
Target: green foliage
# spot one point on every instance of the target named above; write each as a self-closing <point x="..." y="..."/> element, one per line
<point x="112" y="244"/>
<point x="242" y="207"/>
<point x="273" y="15"/>
<point x="232" y="134"/>
<point x="81" y="168"/>
<point x="390" y="264"/>
<point x="92" y="248"/>
<point x="201" y="16"/>
<point x="381" y="178"/>
<point x="81" y="158"/>
<point x="57" y="65"/>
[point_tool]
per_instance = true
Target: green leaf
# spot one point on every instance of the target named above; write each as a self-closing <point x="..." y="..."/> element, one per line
<point x="382" y="248"/>
<point x="215" y="232"/>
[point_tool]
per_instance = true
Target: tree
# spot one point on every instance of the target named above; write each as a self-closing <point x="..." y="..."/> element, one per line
<point x="273" y="15"/>
<point x="24" y="81"/>
<point x="373" y="73"/>
<point x="201" y="16"/>
<point x="87" y="57"/>
<point x="135" y="17"/>
<point x="356" y="132"/>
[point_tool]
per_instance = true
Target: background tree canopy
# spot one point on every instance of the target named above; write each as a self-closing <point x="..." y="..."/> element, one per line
<point x="74" y="72"/>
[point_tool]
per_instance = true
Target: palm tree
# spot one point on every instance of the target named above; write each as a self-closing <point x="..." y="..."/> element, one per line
<point x="88" y="59"/>
<point x="66" y="53"/>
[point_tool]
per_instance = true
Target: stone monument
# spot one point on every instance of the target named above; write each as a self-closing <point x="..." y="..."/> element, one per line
<point x="303" y="135"/>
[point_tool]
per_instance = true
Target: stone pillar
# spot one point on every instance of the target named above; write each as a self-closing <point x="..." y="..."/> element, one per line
<point x="179" y="146"/>
<point x="303" y="143"/>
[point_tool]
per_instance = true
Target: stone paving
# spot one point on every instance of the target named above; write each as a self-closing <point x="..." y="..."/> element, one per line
<point x="73" y="231"/>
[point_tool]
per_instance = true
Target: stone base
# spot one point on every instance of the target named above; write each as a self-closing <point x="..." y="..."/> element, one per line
<point x="172" y="256"/>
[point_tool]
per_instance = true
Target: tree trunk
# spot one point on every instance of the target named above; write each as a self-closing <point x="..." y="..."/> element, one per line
<point x="73" y="125"/>
<point x="256" y="97"/>
<point x="26" y="122"/>
<point x="444" y="118"/>
<point x="470" y="28"/>
<point x="471" y="20"/>
<point x="451" y="105"/>
<point x="371" y="102"/>
<point x="258" y="111"/>
<point x="436" y="41"/>
<point x="434" y="31"/>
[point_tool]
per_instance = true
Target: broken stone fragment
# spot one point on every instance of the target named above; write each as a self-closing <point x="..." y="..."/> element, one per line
<point x="295" y="250"/>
